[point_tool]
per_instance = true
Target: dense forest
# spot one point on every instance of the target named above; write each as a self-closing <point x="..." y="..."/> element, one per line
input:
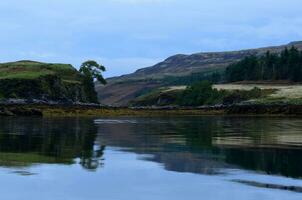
<point x="284" y="66"/>
<point x="272" y="66"/>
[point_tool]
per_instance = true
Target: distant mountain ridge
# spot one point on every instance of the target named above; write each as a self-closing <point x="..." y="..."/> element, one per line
<point x="121" y="90"/>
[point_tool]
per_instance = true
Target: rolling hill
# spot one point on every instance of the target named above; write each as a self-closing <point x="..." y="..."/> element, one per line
<point x="121" y="90"/>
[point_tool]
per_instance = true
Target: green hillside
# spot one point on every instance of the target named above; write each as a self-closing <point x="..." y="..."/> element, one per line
<point x="32" y="70"/>
<point x="43" y="81"/>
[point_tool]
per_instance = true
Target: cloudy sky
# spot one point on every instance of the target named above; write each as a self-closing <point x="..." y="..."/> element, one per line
<point x="126" y="35"/>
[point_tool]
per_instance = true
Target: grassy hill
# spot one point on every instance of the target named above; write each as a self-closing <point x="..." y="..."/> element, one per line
<point x="43" y="81"/>
<point x="32" y="70"/>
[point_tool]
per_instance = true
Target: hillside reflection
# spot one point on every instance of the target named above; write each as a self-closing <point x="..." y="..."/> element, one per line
<point x="207" y="145"/>
<point x="27" y="141"/>
<point x="203" y="145"/>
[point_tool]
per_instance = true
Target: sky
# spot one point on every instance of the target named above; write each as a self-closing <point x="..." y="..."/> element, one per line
<point x="125" y="35"/>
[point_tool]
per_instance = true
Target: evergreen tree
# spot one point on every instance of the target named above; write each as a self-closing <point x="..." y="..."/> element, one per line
<point x="294" y="63"/>
<point x="284" y="66"/>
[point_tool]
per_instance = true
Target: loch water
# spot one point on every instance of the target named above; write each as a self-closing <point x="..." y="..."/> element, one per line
<point x="151" y="158"/>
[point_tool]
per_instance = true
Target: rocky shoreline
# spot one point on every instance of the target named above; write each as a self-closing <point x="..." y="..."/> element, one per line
<point x="35" y="107"/>
<point x="43" y="108"/>
<point x="8" y="102"/>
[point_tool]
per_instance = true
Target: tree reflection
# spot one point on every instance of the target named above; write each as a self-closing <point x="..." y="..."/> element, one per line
<point x="92" y="160"/>
<point x="27" y="141"/>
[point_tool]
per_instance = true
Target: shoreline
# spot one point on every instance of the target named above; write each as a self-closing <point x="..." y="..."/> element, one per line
<point x="87" y="110"/>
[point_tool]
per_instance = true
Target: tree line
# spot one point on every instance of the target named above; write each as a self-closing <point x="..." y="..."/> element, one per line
<point x="284" y="66"/>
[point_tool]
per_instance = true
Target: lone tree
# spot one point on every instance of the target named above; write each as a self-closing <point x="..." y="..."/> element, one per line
<point x="92" y="71"/>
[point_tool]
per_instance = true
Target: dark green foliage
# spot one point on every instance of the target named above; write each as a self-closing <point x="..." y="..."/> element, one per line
<point x="91" y="71"/>
<point x="201" y="93"/>
<point x="89" y="89"/>
<point x="284" y="66"/>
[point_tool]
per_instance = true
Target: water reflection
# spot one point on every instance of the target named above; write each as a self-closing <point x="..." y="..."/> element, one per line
<point x="207" y="145"/>
<point x="202" y="145"/>
<point x="64" y="158"/>
<point x="28" y="141"/>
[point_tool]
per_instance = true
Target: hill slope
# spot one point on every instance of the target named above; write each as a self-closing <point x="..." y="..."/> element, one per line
<point x="42" y="81"/>
<point x="121" y="90"/>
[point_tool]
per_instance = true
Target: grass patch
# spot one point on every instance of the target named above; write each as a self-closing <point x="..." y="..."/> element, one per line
<point x="24" y="74"/>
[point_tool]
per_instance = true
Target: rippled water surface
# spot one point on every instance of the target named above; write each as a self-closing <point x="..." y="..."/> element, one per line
<point x="151" y="158"/>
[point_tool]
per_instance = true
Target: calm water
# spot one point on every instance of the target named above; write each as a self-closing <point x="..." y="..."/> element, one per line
<point x="151" y="158"/>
